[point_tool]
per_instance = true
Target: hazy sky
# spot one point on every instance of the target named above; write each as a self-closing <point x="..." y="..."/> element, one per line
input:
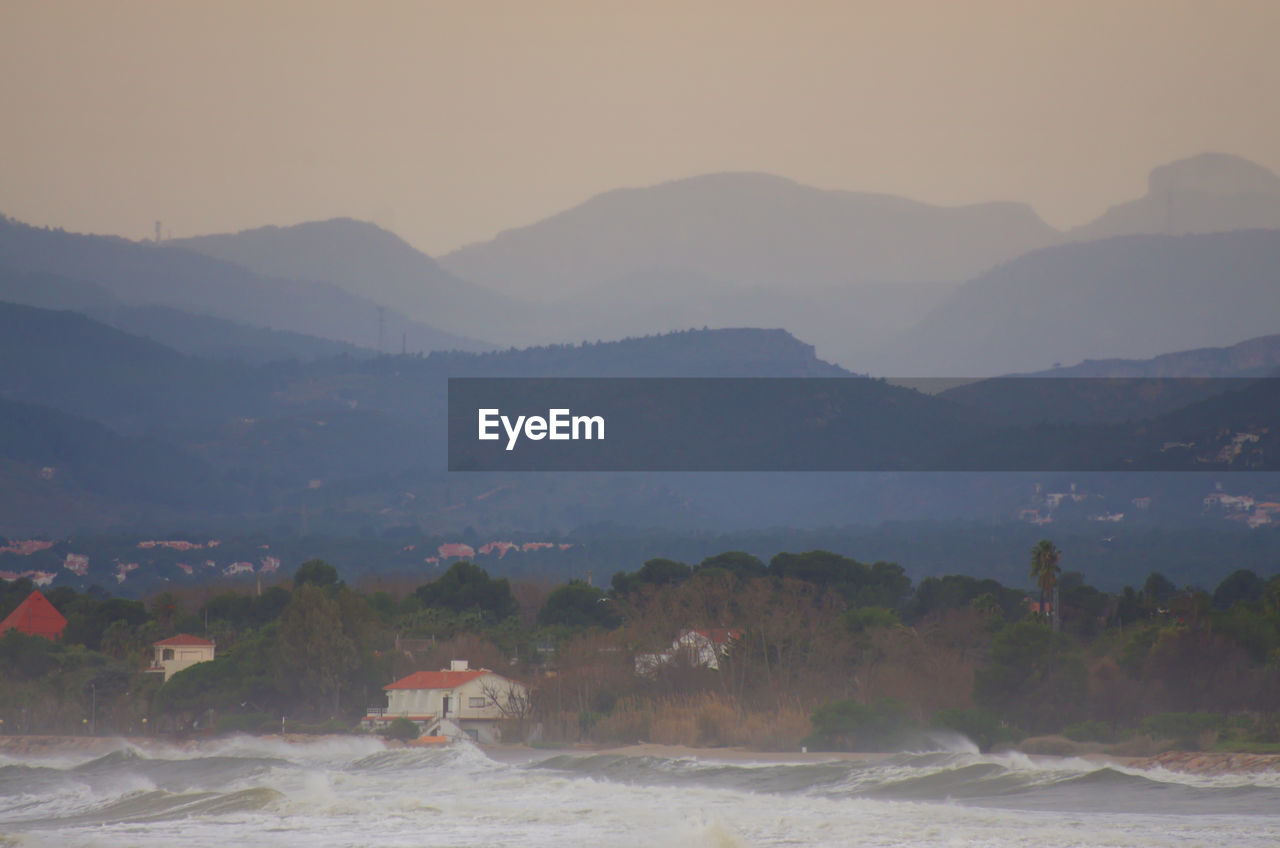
<point x="448" y="122"/>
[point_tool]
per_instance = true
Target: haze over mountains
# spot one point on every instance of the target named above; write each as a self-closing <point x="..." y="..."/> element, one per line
<point x="879" y="284"/>
<point x="747" y="231"/>
<point x="74" y="271"/>
<point x="102" y="431"/>
<point x="1258" y="357"/>
<point x="1129" y="296"/>
<point x="361" y="442"/>
<point x="857" y="274"/>
<point x="1209" y="193"/>
<point x="367" y="261"/>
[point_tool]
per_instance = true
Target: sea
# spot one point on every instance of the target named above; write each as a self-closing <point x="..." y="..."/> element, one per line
<point x="353" y="791"/>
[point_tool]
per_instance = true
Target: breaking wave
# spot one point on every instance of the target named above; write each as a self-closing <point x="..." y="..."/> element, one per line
<point x="1004" y="781"/>
<point x="358" y="791"/>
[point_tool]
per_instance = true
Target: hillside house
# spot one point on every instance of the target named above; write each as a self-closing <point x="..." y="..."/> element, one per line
<point x="696" y="647"/>
<point x="457" y="701"/>
<point x="174" y="654"/>
<point x="35" y="616"/>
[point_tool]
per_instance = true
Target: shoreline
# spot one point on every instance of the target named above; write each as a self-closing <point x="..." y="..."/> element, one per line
<point x="1207" y="763"/>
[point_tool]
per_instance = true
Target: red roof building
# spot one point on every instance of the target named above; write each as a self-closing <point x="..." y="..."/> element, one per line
<point x="174" y="654"/>
<point x="437" y="679"/>
<point x="457" y="701"/>
<point x="718" y="635"/>
<point x="35" y="616"/>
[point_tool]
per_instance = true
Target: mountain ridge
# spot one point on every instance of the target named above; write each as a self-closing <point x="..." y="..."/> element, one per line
<point x="1205" y="193"/>
<point x="1131" y="297"/>
<point x="732" y="209"/>
<point x="186" y="332"/>
<point x="362" y="259"/>
<point x="165" y="275"/>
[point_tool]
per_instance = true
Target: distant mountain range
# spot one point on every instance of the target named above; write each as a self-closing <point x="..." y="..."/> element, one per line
<point x="1129" y="296"/>
<point x="359" y="442"/>
<point x="1118" y="390"/>
<point x="878" y="283"/>
<point x="1258" y="357"/>
<point x="236" y="381"/>
<point x="1209" y="193"/>
<point x="285" y="435"/>
<point x="187" y="332"/>
<point x="746" y="249"/>
<point x="136" y="274"/>
<point x="369" y="262"/>
<point x="852" y="271"/>
<point x="749" y="231"/>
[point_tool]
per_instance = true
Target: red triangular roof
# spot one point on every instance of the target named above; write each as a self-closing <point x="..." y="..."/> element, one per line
<point x="718" y="635"/>
<point x="35" y="616"/>
<point x="438" y="679"/>
<point x="183" y="640"/>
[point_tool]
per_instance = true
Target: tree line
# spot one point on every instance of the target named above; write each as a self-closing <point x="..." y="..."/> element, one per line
<point x="815" y="648"/>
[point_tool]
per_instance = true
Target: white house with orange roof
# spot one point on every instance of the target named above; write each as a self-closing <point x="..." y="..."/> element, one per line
<point x="457" y="701"/>
<point x="179" y="652"/>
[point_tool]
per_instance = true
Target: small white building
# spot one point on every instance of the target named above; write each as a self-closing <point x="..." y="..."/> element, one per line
<point x="179" y="652"/>
<point x="456" y="701"/>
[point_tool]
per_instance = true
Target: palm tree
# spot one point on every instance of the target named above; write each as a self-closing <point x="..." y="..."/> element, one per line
<point x="1045" y="570"/>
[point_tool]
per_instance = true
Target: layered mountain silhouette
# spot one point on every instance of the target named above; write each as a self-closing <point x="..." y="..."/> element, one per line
<point x="849" y="271"/>
<point x="163" y="275"/>
<point x="750" y="230"/>
<point x="1118" y="390"/>
<point x="1257" y="357"/>
<point x="1209" y="193"/>
<point x="369" y="262"/>
<point x="256" y="372"/>
<point x="857" y="274"/>
<point x="1125" y="297"/>
<point x="355" y="441"/>
<point x="746" y="249"/>
<point x="187" y="332"/>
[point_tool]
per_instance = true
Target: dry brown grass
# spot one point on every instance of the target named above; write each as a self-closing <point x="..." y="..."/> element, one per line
<point x="1138" y="745"/>
<point x="702" y="721"/>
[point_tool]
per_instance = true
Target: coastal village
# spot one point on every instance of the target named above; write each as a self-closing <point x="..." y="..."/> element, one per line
<point x="813" y="651"/>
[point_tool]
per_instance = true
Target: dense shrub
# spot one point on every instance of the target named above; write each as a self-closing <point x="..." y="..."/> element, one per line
<point x="247" y="723"/>
<point x="1088" y="731"/>
<point x="847" y="725"/>
<point x="982" y="727"/>
<point x="401" y="729"/>
<point x="1187" y="730"/>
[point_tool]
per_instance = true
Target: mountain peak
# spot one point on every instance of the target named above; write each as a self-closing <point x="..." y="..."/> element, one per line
<point x="1207" y="193"/>
<point x="333" y="236"/>
<point x="1213" y="173"/>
